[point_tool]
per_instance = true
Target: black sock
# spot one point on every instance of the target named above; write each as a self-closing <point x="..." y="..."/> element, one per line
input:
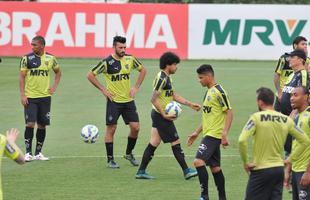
<point x="130" y="145"/>
<point x="109" y="148"/>
<point x="41" y="133"/>
<point x="220" y="184"/>
<point x="203" y="179"/>
<point x="28" y="139"/>
<point x="179" y="156"/>
<point x="147" y="156"/>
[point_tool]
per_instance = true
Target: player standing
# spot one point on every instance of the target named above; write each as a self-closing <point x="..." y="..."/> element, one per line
<point x="163" y="128"/>
<point x="217" y="117"/>
<point x="269" y="130"/>
<point x="116" y="69"/>
<point x="300" y="77"/>
<point x="299" y="101"/>
<point x="284" y="70"/>
<point x="36" y="92"/>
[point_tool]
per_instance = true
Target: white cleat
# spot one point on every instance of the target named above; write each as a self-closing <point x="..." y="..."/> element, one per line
<point x="40" y="156"/>
<point x="28" y="157"/>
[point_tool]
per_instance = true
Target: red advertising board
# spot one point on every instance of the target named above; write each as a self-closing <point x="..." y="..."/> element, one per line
<point x="87" y="30"/>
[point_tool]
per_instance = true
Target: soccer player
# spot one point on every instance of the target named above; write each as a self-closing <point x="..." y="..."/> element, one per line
<point x="163" y="128"/>
<point x="36" y="92"/>
<point x="116" y="69"/>
<point x="217" y="117"/>
<point x="269" y="130"/>
<point x="300" y="77"/>
<point x="9" y="148"/>
<point x="284" y="70"/>
<point x="299" y="101"/>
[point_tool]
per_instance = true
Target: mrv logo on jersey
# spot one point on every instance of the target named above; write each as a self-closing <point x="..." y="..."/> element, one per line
<point x="38" y="72"/>
<point x="119" y="77"/>
<point x="274" y="118"/>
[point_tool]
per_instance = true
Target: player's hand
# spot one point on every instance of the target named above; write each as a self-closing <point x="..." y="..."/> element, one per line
<point x="169" y="117"/>
<point x="133" y="92"/>
<point x="224" y="141"/>
<point x="24" y="100"/>
<point x="11" y="135"/>
<point x="191" y="138"/>
<point x="108" y="95"/>
<point x="52" y="90"/>
<point x="305" y="180"/>
<point x="195" y="106"/>
<point x="248" y="167"/>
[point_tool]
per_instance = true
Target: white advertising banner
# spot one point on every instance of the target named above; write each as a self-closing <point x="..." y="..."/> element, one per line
<point x="246" y="32"/>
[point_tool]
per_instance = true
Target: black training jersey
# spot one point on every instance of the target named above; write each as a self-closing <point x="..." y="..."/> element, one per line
<point x="283" y="69"/>
<point x="163" y="84"/>
<point x="116" y="73"/>
<point x="299" y="78"/>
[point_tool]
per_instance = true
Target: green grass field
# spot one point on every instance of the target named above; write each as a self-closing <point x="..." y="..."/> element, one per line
<point x="77" y="171"/>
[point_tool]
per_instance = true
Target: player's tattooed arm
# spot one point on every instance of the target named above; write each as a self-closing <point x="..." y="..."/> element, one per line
<point x="184" y="101"/>
<point x="156" y="103"/>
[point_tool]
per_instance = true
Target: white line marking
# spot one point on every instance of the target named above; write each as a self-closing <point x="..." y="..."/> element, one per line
<point x="120" y="156"/>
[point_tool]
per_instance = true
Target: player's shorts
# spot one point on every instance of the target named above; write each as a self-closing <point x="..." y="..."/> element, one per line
<point x="38" y="110"/>
<point x="299" y="192"/>
<point x="265" y="184"/>
<point x="166" y="129"/>
<point x="128" y="111"/>
<point x="209" y="151"/>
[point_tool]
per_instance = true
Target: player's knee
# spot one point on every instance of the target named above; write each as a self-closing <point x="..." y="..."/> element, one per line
<point x="30" y="124"/>
<point x="155" y="142"/>
<point x="199" y="163"/>
<point x="215" y="169"/>
<point x="111" y="129"/>
<point x="40" y="126"/>
<point x="135" y="128"/>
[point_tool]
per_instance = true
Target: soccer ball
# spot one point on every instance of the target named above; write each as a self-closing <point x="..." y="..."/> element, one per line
<point x="89" y="133"/>
<point x="173" y="108"/>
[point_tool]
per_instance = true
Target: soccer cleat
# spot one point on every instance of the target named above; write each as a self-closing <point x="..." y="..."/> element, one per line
<point x="41" y="157"/>
<point x="112" y="164"/>
<point x="141" y="174"/>
<point x="190" y="173"/>
<point x="131" y="159"/>
<point x="29" y="157"/>
<point x="203" y="198"/>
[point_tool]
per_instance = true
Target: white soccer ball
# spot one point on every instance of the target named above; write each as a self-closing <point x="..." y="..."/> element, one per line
<point x="173" y="109"/>
<point x="89" y="133"/>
